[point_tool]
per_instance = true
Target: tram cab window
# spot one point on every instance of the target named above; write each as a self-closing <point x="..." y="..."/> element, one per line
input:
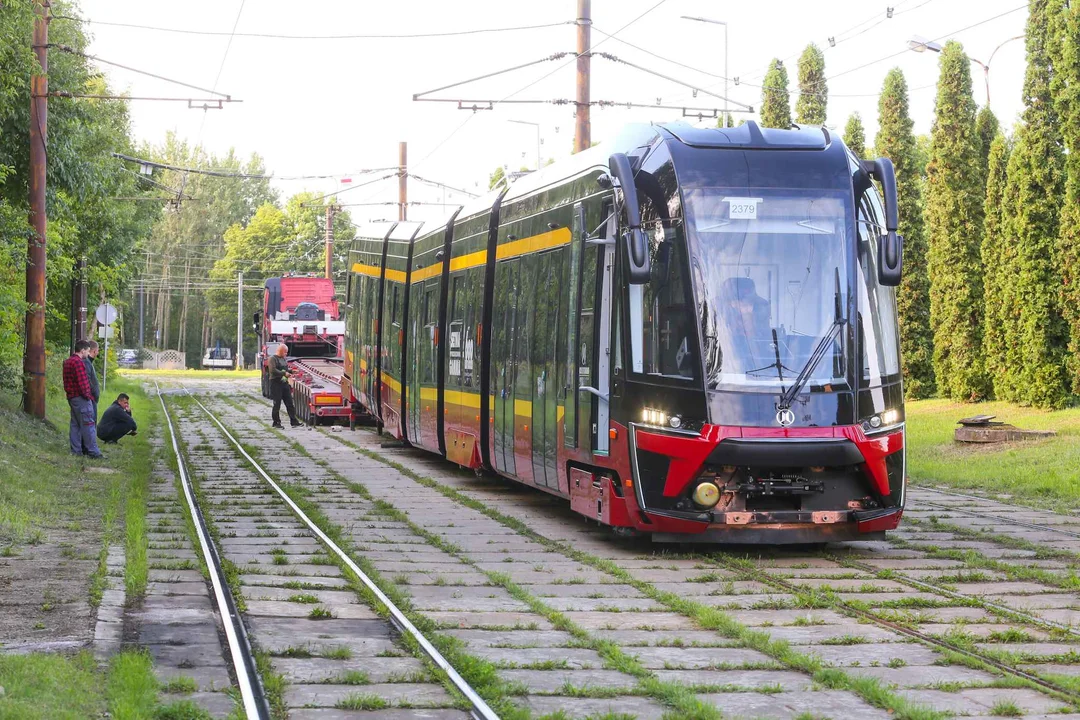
<point x="877" y="326"/>
<point x="661" y="321"/>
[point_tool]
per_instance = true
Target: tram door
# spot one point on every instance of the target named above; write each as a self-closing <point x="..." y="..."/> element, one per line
<point x="551" y="286"/>
<point x="417" y="337"/>
<point x="504" y="322"/>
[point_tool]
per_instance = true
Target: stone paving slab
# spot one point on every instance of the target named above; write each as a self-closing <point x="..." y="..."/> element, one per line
<point x="379" y="669"/>
<point x="328" y="695"/>
<point x="410" y="714"/>
<point x="745" y="679"/>
<point x="785" y="705"/>
<point x="580" y="708"/>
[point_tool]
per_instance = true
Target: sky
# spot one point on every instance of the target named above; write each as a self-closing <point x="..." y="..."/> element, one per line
<point x="340" y="106"/>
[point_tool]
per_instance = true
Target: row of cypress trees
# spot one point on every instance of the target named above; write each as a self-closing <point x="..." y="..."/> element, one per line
<point x="990" y="300"/>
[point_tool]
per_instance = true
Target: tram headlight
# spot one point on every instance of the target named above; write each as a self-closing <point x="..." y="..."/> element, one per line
<point x="675" y="422"/>
<point x="653" y="417"/>
<point x="706" y="495"/>
<point x="890" y="417"/>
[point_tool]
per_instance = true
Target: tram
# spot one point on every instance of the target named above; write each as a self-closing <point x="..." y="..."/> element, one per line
<point x="685" y="332"/>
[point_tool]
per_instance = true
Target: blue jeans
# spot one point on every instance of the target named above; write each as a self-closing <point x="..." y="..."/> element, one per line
<point x="82" y="433"/>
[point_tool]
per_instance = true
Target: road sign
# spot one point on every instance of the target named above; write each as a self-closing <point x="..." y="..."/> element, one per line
<point x="105" y="314"/>
<point x="106" y="332"/>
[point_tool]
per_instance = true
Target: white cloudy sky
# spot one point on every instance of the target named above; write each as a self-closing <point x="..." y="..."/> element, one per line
<point x="337" y="106"/>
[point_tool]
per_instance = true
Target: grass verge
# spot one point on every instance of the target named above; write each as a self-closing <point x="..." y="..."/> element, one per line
<point x="1044" y="473"/>
<point x="73" y="687"/>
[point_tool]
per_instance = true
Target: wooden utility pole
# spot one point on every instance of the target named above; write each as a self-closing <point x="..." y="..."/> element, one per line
<point x="331" y="210"/>
<point x="240" y="320"/>
<point x="403" y="181"/>
<point x="582" y="124"/>
<point x="34" y="356"/>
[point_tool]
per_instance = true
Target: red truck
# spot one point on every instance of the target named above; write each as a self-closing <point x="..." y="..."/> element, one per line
<point x="302" y="311"/>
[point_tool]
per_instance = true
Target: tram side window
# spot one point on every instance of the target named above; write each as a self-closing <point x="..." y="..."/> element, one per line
<point x="877" y="326"/>
<point x="430" y="305"/>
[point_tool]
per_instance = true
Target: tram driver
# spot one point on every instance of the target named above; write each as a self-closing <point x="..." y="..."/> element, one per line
<point x="748" y="328"/>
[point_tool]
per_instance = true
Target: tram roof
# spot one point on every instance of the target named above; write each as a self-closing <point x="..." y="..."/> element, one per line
<point x="377" y="230"/>
<point x="405" y="229"/>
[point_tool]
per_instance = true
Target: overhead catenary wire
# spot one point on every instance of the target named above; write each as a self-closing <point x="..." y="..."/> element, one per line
<point x="469" y="118"/>
<point x="286" y="36"/>
<point x="243" y="176"/>
<point x="97" y="58"/>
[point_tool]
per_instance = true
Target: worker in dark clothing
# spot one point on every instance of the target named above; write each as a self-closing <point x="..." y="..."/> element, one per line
<point x="117" y="421"/>
<point x="81" y="401"/>
<point x="279" y="386"/>
<point x="91" y="373"/>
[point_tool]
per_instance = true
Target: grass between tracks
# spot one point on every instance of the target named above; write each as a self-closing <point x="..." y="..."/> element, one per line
<point x="1045" y="473"/>
<point x="678" y="697"/>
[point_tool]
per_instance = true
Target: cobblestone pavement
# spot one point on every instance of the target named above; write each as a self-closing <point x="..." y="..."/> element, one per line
<point x="584" y="623"/>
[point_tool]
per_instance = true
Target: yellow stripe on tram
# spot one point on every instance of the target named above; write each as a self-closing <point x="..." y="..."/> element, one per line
<point x="536" y="243"/>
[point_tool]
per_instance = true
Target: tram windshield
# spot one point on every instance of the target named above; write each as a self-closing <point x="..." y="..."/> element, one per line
<point x="770" y="275"/>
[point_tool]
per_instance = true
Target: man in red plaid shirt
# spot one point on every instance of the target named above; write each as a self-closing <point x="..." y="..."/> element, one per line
<point x="80" y="395"/>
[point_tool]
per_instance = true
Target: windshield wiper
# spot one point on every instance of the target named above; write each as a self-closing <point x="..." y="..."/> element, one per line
<point x="779" y="366"/>
<point x="838" y="324"/>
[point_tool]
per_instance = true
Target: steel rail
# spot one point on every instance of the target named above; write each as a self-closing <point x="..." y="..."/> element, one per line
<point x="975" y="599"/>
<point x="768" y="579"/>
<point x="480" y="708"/>
<point x="994" y="516"/>
<point x="252" y="692"/>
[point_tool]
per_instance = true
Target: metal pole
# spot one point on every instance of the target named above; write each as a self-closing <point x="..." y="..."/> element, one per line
<point x="403" y="180"/>
<point x="142" y="315"/>
<point x="34" y="357"/>
<point x="538" y="147"/>
<point x="725" y="74"/>
<point x="105" y="362"/>
<point x="582" y="124"/>
<point x="330" y="240"/>
<point x="986" y="76"/>
<point x="240" y="320"/>
<point x="80" y="317"/>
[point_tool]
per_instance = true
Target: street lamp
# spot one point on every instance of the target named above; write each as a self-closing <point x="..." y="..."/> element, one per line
<point x="537" y="126"/>
<point x="718" y="22"/>
<point x="920" y="44"/>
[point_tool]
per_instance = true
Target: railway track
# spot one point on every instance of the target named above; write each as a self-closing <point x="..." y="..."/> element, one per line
<point x="995" y="516"/>
<point x="937" y="647"/>
<point x="285" y="535"/>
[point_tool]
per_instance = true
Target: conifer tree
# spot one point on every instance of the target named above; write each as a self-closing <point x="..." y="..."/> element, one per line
<point x="1036" y="368"/>
<point x="810" y="108"/>
<point x="775" y="103"/>
<point x="986" y="125"/>
<point x="1065" y="88"/>
<point x="954" y="224"/>
<point x="997" y="260"/>
<point x="896" y="141"/>
<point x="855" y="135"/>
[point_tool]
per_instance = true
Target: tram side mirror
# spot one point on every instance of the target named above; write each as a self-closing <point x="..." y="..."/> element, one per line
<point x="637" y="246"/>
<point x="891" y="245"/>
